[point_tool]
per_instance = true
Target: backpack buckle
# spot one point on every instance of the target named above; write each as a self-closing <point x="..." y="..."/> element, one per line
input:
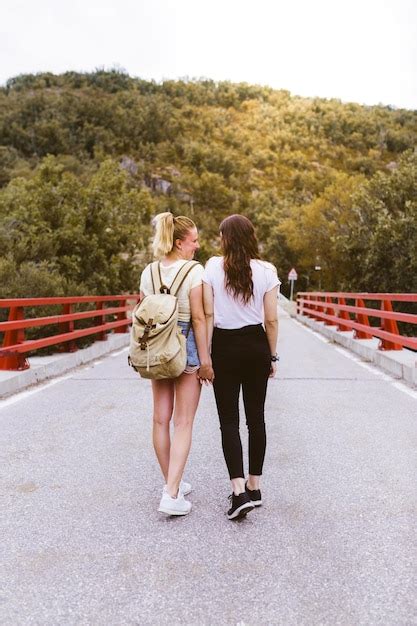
<point x="144" y="339"/>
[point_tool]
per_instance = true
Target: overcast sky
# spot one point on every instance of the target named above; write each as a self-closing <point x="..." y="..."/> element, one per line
<point x="356" y="50"/>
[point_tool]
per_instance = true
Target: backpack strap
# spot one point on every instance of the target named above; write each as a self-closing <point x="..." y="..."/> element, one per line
<point x="157" y="283"/>
<point x="181" y="276"/>
<point x="152" y="278"/>
<point x="156" y="277"/>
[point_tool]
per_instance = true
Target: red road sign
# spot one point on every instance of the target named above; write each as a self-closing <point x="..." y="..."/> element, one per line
<point x="292" y="275"/>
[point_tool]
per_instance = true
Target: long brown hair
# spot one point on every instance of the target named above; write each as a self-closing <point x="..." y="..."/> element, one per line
<point x="239" y="245"/>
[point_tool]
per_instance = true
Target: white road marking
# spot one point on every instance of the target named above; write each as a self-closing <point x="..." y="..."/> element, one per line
<point x="405" y="389"/>
<point x="347" y="354"/>
<point x="374" y="370"/>
<point x="113" y="354"/>
<point x="313" y="332"/>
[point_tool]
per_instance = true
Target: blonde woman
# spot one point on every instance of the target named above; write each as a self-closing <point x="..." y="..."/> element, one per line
<point x="175" y="242"/>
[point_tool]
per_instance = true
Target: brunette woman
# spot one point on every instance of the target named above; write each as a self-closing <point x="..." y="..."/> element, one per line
<point x="240" y="302"/>
<point x="175" y="242"/>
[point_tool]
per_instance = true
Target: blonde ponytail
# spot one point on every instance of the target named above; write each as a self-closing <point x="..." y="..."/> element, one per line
<point x="167" y="230"/>
<point x="163" y="240"/>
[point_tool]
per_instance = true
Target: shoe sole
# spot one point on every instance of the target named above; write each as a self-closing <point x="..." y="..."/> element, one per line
<point x="242" y="511"/>
<point x="171" y="512"/>
<point x="256" y="502"/>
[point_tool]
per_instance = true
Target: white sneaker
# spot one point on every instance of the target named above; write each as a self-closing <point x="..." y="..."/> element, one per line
<point x="174" y="506"/>
<point x="185" y="488"/>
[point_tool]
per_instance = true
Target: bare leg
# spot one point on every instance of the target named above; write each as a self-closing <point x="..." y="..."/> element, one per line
<point x="253" y="482"/>
<point x="163" y="404"/>
<point x="187" y="396"/>
<point x="238" y="485"/>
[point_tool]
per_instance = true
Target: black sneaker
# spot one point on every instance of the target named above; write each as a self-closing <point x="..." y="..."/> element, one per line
<point x="254" y="495"/>
<point x="241" y="505"/>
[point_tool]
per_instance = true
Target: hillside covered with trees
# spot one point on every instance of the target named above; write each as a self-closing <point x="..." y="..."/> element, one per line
<point x="86" y="160"/>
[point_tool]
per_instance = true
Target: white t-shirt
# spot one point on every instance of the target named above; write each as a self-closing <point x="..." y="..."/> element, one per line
<point x="168" y="273"/>
<point x="230" y="312"/>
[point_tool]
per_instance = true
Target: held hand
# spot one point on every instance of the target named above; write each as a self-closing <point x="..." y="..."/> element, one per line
<point x="273" y="370"/>
<point x="205" y="374"/>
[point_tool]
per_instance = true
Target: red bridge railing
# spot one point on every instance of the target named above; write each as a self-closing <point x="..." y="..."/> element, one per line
<point x="333" y="309"/>
<point x="15" y="346"/>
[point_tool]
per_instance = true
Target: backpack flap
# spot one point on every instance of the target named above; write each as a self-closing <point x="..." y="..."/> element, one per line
<point x="159" y="308"/>
<point x="155" y="336"/>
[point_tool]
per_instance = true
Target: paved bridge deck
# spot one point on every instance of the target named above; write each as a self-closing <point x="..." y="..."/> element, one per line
<point x="335" y="542"/>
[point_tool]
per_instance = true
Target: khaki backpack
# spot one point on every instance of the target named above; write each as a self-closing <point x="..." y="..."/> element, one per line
<point x="157" y="345"/>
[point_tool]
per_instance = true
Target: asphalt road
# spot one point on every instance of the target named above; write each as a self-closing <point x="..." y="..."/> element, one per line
<point x="334" y="543"/>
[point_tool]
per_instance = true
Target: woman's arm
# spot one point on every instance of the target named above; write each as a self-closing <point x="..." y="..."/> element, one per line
<point x="208" y="303"/>
<point x="271" y="322"/>
<point x="199" y="326"/>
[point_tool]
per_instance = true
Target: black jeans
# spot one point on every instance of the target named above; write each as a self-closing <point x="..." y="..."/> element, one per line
<point x="241" y="358"/>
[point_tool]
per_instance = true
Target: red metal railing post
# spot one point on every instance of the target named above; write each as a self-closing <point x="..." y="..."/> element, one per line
<point x="305" y="306"/>
<point x="361" y="318"/>
<point x="310" y="307"/>
<point x="122" y="316"/>
<point x="329" y="311"/>
<point x="67" y="327"/>
<point x="314" y="307"/>
<point x="343" y="315"/>
<point x="11" y="338"/>
<point x="319" y="308"/>
<point x="390" y="326"/>
<point x="102" y="335"/>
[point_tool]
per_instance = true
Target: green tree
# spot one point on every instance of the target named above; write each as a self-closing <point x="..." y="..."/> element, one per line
<point x="91" y="237"/>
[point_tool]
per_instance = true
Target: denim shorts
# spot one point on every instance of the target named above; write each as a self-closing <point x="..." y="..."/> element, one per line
<point x="192" y="354"/>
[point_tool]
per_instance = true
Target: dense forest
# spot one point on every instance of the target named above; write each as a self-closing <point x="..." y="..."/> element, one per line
<point x="86" y="160"/>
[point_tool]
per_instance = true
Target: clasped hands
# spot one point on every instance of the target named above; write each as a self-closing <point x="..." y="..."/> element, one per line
<point x="205" y="374"/>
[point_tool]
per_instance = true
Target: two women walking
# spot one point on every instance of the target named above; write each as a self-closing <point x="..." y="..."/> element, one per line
<point x="228" y="313"/>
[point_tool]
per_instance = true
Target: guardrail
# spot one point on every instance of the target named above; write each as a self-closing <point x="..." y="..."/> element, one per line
<point x="332" y="309"/>
<point x="15" y="345"/>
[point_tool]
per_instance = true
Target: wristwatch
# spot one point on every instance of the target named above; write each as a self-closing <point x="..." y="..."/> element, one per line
<point x="274" y="358"/>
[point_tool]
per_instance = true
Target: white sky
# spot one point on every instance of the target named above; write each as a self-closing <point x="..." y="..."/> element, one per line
<point x="356" y="50"/>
